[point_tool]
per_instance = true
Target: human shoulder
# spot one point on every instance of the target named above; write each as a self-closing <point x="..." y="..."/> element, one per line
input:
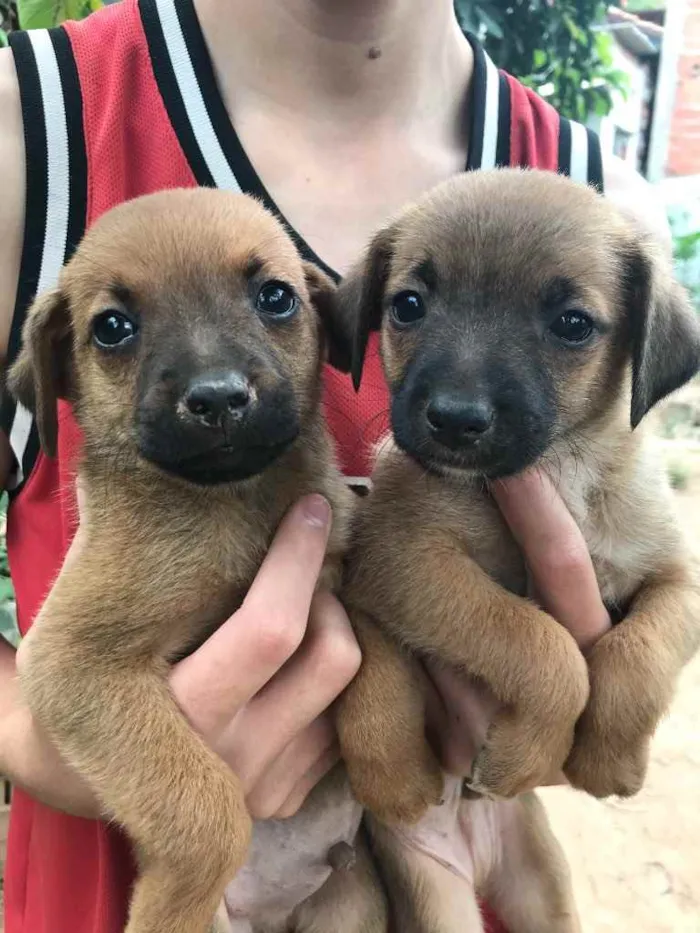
<point x="637" y="199"/>
<point x="13" y="193"/>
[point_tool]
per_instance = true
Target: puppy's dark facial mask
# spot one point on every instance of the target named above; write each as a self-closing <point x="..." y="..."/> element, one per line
<point x="195" y="341"/>
<point x="510" y="305"/>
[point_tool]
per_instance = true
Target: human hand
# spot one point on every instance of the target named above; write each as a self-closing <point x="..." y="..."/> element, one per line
<point x="257" y="690"/>
<point x="563" y="583"/>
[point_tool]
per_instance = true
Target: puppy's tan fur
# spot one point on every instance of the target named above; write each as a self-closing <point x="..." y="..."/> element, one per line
<point x="164" y="561"/>
<point x="452" y="584"/>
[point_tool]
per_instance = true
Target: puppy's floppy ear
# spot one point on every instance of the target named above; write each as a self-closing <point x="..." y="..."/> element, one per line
<point x="40" y="374"/>
<point x="665" y="330"/>
<point x="323" y="293"/>
<point x="361" y="295"/>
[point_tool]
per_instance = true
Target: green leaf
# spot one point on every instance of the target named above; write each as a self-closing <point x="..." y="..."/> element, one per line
<point x="45" y="14"/>
<point x="539" y="59"/>
<point x="575" y="30"/>
<point x="3" y="38"/>
<point x="489" y="22"/>
<point x="8" y="624"/>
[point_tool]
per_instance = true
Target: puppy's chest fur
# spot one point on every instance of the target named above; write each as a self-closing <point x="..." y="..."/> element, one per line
<point x="181" y="559"/>
<point x="620" y="500"/>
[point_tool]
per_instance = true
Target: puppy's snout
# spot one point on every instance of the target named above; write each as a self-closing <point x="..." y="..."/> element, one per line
<point x="216" y="397"/>
<point x="456" y="420"/>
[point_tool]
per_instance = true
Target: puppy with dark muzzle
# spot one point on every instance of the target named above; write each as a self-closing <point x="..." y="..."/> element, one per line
<point x="522" y="322"/>
<point x="187" y="333"/>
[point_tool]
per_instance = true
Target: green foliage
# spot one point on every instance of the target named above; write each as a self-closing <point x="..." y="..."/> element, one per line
<point x="551" y="46"/>
<point x="686" y="253"/>
<point x="8" y="618"/>
<point x="678" y="474"/>
<point x="644" y="6"/>
<point x="45" y="14"/>
<point x="8" y="19"/>
<point x="41" y="14"/>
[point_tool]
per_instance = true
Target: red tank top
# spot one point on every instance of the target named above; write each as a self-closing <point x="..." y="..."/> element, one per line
<point x="119" y="105"/>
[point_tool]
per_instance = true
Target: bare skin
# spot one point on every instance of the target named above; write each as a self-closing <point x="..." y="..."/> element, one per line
<point x="301" y="72"/>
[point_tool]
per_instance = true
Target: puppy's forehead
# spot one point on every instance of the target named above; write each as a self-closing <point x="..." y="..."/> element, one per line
<point x="178" y="238"/>
<point x="509" y="231"/>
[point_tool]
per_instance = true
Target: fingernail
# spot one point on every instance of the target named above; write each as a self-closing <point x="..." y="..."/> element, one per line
<point x="317" y="511"/>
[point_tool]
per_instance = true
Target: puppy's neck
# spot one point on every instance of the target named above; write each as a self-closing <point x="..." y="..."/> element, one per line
<point x="594" y="458"/>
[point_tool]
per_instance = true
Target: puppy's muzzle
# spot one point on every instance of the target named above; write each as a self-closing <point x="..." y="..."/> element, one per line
<point x="215" y="400"/>
<point x="459" y="421"/>
<point x="218" y="425"/>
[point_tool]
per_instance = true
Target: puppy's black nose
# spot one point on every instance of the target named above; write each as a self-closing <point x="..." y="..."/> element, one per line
<point x="210" y="399"/>
<point x="455" y="421"/>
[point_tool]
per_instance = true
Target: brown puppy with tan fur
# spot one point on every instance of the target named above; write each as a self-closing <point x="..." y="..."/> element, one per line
<point x="522" y="322"/>
<point x="186" y="331"/>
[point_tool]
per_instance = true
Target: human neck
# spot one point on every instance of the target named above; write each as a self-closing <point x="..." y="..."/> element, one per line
<point x="353" y="63"/>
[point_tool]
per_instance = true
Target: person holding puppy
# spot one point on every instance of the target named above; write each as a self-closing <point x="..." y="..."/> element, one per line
<point x="335" y="115"/>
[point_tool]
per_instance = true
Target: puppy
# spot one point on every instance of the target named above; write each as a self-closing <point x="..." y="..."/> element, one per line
<point x="186" y="333"/>
<point x="523" y="322"/>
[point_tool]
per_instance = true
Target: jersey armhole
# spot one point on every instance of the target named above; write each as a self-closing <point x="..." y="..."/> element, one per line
<point x="55" y="205"/>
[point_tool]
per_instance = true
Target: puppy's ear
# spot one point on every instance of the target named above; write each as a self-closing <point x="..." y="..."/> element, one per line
<point x="323" y="292"/>
<point x="40" y="374"/>
<point x="361" y="295"/>
<point x="665" y="331"/>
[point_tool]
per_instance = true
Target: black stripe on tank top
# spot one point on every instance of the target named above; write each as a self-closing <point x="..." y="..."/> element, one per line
<point x="170" y="93"/>
<point x="564" y="155"/>
<point x="194" y="149"/>
<point x="595" y="161"/>
<point x="477" y="106"/>
<point x="231" y="145"/>
<point x="36" y="203"/>
<point x="503" y="145"/>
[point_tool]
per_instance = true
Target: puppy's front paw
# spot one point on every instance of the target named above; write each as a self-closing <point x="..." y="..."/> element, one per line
<point x="604" y="768"/>
<point x="515" y="758"/>
<point x="397" y="790"/>
<point x="527" y="744"/>
<point x="610" y="754"/>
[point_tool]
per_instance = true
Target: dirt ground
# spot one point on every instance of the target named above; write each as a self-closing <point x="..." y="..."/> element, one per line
<point x="636" y="863"/>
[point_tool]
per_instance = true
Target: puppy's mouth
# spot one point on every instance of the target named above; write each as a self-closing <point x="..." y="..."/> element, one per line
<point x="482" y="465"/>
<point x="225" y="463"/>
<point x="508" y="446"/>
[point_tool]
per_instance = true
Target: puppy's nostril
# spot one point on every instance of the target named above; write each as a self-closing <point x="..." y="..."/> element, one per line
<point x="238" y="398"/>
<point x="210" y="400"/>
<point x="453" y="419"/>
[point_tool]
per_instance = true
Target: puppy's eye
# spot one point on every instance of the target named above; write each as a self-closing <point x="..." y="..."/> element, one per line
<point x="407" y="308"/>
<point x="276" y="300"/>
<point x="113" y="329"/>
<point x="573" y="327"/>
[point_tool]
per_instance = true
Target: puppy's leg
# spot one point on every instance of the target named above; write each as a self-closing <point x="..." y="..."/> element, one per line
<point x="115" y="721"/>
<point x="445" y="605"/>
<point x="529" y="883"/>
<point x="351" y="901"/>
<point x="181" y="806"/>
<point x="424" y="896"/>
<point x="381" y="728"/>
<point x="633" y="672"/>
